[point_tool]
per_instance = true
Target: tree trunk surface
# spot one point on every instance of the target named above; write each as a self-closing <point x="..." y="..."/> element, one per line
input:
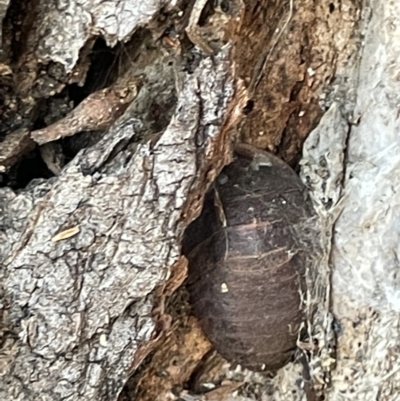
<point x="116" y="119"/>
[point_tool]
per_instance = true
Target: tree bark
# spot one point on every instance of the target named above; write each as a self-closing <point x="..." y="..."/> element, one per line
<point x="139" y="122"/>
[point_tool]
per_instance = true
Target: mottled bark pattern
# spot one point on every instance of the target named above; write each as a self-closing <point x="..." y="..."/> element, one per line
<point x="247" y="260"/>
<point x="81" y="306"/>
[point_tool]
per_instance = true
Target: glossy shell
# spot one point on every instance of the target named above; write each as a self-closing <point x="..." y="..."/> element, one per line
<point x="247" y="255"/>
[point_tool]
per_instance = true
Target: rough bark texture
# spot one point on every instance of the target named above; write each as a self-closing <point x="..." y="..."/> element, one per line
<point x="83" y="252"/>
<point x="91" y="225"/>
<point x="91" y="293"/>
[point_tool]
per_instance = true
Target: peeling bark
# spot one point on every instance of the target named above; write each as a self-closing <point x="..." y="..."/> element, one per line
<point x="90" y="243"/>
<point x="91" y="293"/>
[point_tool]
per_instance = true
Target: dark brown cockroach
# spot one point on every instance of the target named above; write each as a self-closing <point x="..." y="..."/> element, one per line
<point x="247" y="254"/>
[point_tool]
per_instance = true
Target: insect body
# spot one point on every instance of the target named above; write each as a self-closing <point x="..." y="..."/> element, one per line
<point x="247" y="254"/>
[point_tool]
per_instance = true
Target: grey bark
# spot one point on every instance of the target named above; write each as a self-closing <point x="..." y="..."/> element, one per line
<point x="76" y="310"/>
<point x="81" y="306"/>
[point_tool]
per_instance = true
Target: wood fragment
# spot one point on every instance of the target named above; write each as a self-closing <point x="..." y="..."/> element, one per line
<point x="97" y="112"/>
<point x="70" y="232"/>
<point x="172" y="364"/>
<point x="14" y="147"/>
<point x="53" y="156"/>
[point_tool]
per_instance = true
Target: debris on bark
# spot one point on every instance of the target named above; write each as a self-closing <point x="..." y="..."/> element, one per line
<point x="97" y="112"/>
<point x="87" y="249"/>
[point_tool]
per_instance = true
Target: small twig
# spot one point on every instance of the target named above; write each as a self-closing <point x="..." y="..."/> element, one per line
<point x="98" y="111"/>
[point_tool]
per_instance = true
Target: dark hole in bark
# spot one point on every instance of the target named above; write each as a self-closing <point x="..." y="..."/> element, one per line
<point x="249" y="107"/>
<point x="31" y="167"/>
<point x="106" y="66"/>
<point x="102" y="72"/>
